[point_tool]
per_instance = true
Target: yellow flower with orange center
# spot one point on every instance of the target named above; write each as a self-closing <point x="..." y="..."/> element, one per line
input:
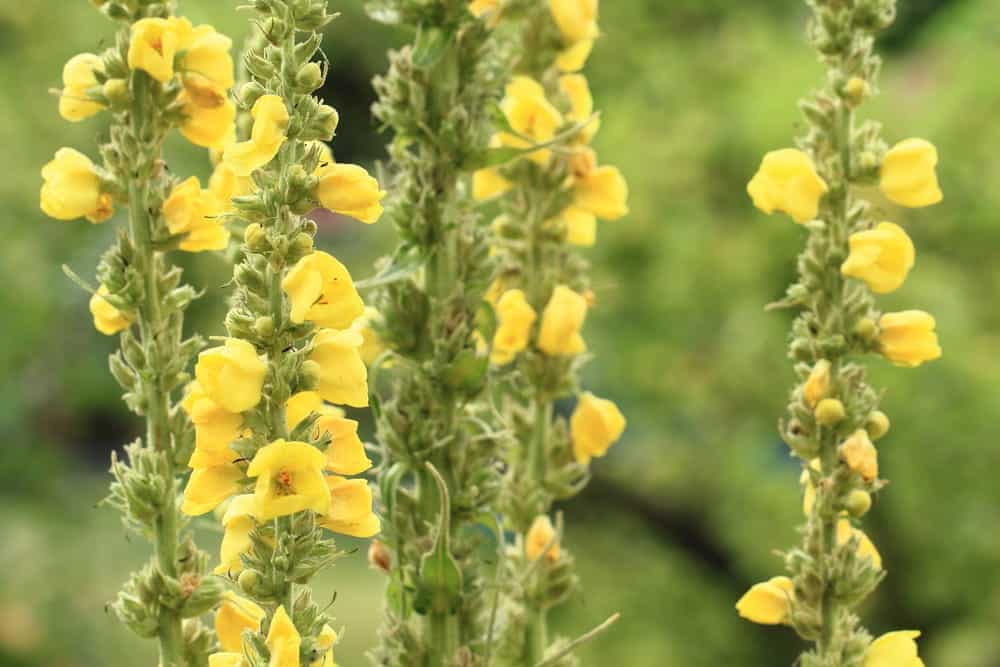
<point x="289" y="480"/>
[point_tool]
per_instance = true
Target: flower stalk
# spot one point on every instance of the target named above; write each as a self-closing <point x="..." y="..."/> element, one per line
<point x="833" y="417"/>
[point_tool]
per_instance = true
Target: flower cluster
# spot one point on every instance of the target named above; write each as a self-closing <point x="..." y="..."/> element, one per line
<point x="551" y="192"/>
<point x="833" y="414"/>
<point x="163" y="73"/>
<point x="270" y="440"/>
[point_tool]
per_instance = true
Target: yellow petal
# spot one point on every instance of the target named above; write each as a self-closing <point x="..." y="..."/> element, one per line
<point x="894" y="649"/>
<point x="562" y="320"/>
<point x="350" y="508"/>
<point x="908" y="175"/>
<point x="541" y="535"/>
<point x="232" y="375"/>
<point x="108" y="319"/>
<point x="283" y="641"/>
<point x="908" y="339"/>
<point x="320" y="289"/>
<point x="787" y="181"/>
<point x="208" y="487"/>
<point x="343" y="377"/>
<point x="882" y="257"/>
<point x="236" y="614"/>
<point x="767" y="603"/>
<point x="595" y="425"/>
<point x="349" y="190"/>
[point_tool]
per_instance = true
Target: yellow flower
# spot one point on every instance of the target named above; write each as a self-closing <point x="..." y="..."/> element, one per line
<point x="601" y="191"/>
<point x="767" y="603"/>
<point x="211" y="483"/>
<point x="346" y="453"/>
<point x="866" y="549"/>
<point x="71" y="188"/>
<point x="226" y="184"/>
<point x="289" y="479"/>
<point x="372" y="347"/>
<point x="787" y="181"/>
<point x="324" y="642"/>
<point x="817" y="384"/>
<point x="573" y="58"/>
<point x="908" y="339"/>
<point x="882" y="257"/>
<point x="541" y="535"/>
<point x="226" y="660"/>
<point x="300" y="406"/>
<point x="238" y="521"/>
<point x="236" y="614"/>
<point x="480" y="7"/>
<point x="908" y="176"/>
<point x="152" y="48"/>
<point x="196" y="214"/>
<point x="232" y="375"/>
<point x="576" y="19"/>
<point x="349" y="190"/>
<point x="488" y="183"/>
<point x="283" y="641"/>
<point x="531" y="116"/>
<point x="320" y="290"/>
<point x="208" y="126"/>
<point x="580" y="226"/>
<point x="78" y="78"/>
<point x="215" y="427"/>
<point x="350" y="508"/>
<point x="270" y="120"/>
<point x="808" y="488"/>
<point x="562" y="320"/>
<point x="343" y="377"/>
<point x="108" y="319"/>
<point x="516" y="318"/>
<point x="205" y="55"/>
<point x="596" y="424"/>
<point x="860" y="455"/>
<point x="894" y="649"/>
<point x="577" y="90"/>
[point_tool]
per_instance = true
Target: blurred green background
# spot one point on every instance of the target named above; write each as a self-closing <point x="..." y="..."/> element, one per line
<point x="686" y="512"/>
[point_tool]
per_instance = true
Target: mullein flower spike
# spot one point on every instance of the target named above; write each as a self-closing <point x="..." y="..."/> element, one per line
<point x="161" y="74"/>
<point x="551" y="194"/>
<point x="833" y="418"/>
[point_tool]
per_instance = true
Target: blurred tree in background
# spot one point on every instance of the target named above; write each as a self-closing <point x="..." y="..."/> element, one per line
<point x="685" y="512"/>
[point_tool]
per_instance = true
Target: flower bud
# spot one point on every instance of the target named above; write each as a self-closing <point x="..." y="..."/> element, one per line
<point x="877" y="425"/>
<point x="818" y="383"/>
<point x="117" y="92"/>
<point x="264" y="326"/>
<point x="255" y="237"/>
<point x="248" y="580"/>
<point x="830" y="411"/>
<point x="251" y="92"/>
<point x="856" y="90"/>
<point x="379" y="557"/>
<point x="309" y="77"/>
<point x="302" y="244"/>
<point x="327" y="118"/>
<point x="866" y="329"/>
<point x="310" y="372"/>
<point x="858" y="503"/>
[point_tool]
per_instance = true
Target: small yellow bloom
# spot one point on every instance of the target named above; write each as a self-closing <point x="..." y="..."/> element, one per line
<point x="209" y="485"/>
<point x="283" y="641"/>
<point x="767" y="603"/>
<point x="289" y="480"/>
<point x="270" y="121"/>
<point x="562" y="320"/>
<point x="894" y="649"/>
<point x="226" y="184"/>
<point x="108" y="319"/>
<point x="488" y="183"/>
<point x="196" y="214"/>
<point x="300" y="406"/>
<point x="808" y="488"/>
<point x="573" y="58"/>
<point x="349" y="190"/>
<point x="596" y="424"/>
<point x="372" y="347"/>
<point x="516" y="318"/>
<point x="480" y="7"/>
<point x="236" y="614"/>
<point x="577" y="90"/>
<point x="78" y="78"/>
<point x="215" y="427"/>
<point x="908" y="176"/>
<point x="817" y="385"/>
<point x="227" y="659"/>
<point x="232" y="375"/>
<point x="350" y="508"/>
<point x="866" y="549"/>
<point x="205" y="54"/>
<point x="343" y="377"/>
<point x="320" y="290"/>
<point x="581" y="226"/>
<point x="882" y="257"/>
<point x="346" y="453"/>
<point x="152" y="48"/>
<point x="860" y="455"/>
<point x="237" y="521"/>
<point x="908" y="338"/>
<point x="787" y="181"/>
<point x="325" y="642"/>
<point x="541" y="535"/>
<point x="531" y="116"/>
<point x="208" y="126"/>
<point x="71" y="188"/>
<point x="601" y="191"/>
<point x="577" y="19"/>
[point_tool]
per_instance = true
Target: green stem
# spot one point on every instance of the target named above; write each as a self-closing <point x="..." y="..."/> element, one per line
<point x="538" y="447"/>
<point x="537" y="636"/>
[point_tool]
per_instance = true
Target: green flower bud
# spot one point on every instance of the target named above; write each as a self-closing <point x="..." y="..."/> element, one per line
<point x="251" y="92"/>
<point x="877" y="425"/>
<point x="117" y="92"/>
<point x="248" y="581"/>
<point x="255" y="238"/>
<point x="263" y="326"/>
<point x="302" y="244"/>
<point x="309" y="373"/>
<point x="866" y="329"/>
<point x="855" y="91"/>
<point x="309" y="77"/>
<point x="858" y="502"/>
<point x="327" y="118"/>
<point x="830" y="411"/>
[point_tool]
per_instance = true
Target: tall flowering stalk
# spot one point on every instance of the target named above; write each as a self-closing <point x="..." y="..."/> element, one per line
<point x="439" y="473"/>
<point x="551" y="196"/>
<point x="162" y="74"/>
<point x="269" y="439"/>
<point x="833" y="415"/>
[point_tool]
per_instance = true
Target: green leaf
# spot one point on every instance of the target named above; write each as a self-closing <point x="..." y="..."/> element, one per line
<point x="430" y="46"/>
